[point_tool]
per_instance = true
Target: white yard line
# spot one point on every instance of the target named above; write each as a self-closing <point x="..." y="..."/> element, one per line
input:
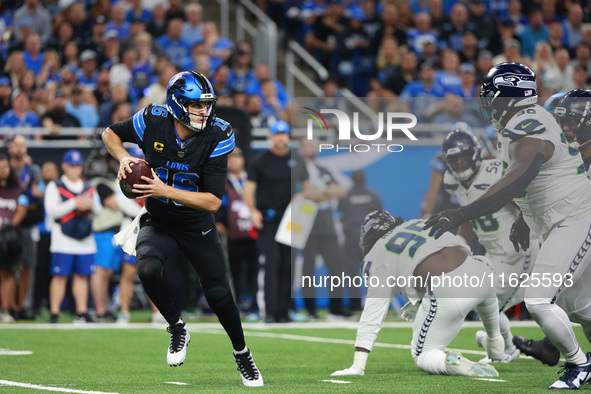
<point x="48" y="388"/>
<point x="352" y="325"/>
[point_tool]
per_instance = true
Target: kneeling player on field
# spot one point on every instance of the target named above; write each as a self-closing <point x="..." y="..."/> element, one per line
<point x="394" y="248"/>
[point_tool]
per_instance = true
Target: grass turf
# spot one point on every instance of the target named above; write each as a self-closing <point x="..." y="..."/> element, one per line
<point x="134" y="361"/>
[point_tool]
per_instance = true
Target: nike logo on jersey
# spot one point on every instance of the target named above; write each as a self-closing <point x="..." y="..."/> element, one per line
<point x="523" y="126"/>
<point x="228" y="133"/>
<point x="205" y="232"/>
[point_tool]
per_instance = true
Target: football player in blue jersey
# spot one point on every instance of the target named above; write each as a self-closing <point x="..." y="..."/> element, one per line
<point x="187" y="147"/>
<point x="547" y="179"/>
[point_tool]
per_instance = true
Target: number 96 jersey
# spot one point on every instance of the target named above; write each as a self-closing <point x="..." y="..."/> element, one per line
<point x="492" y="230"/>
<point x="197" y="164"/>
<point x="398" y="253"/>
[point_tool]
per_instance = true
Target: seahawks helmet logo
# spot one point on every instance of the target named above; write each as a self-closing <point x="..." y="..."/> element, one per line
<point x="515" y="80"/>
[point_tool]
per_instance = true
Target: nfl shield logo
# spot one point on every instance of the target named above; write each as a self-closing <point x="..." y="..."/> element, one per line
<point x="528" y="93"/>
<point x="181" y="153"/>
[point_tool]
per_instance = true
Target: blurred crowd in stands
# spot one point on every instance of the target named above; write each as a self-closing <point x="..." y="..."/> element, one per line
<point x="436" y="48"/>
<point x="89" y="64"/>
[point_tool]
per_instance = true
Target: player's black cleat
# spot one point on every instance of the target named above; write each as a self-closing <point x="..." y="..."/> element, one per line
<point x="542" y="349"/>
<point x="179" y="340"/>
<point x="251" y="377"/>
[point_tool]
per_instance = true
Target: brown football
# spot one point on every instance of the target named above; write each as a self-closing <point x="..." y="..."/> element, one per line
<point x="135" y="176"/>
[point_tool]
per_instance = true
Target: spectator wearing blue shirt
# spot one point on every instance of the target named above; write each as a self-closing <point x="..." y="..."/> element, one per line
<point x="5" y="92"/>
<point x="422" y="31"/>
<point x="220" y="48"/>
<point x="420" y="95"/>
<point x="172" y="45"/>
<point x="193" y="26"/>
<point x="310" y="10"/>
<point x="19" y="115"/>
<point x="118" y="22"/>
<point x="241" y="73"/>
<point x="467" y="87"/>
<point x="85" y="112"/>
<point x="261" y="71"/>
<point x="448" y="78"/>
<point x="452" y="31"/>
<point x="138" y="12"/>
<point x="533" y="33"/>
<point x="573" y="25"/>
<point x="87" y="75"/>
<point x="32" y="54"/>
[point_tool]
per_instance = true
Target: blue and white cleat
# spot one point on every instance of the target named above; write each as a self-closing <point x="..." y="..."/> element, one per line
<point x="574" y="376"/>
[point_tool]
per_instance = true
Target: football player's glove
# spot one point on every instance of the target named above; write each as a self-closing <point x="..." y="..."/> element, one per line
<point x="444" y="221"/>
<point x="519" y="235"/>
<point x="409" y="311"/>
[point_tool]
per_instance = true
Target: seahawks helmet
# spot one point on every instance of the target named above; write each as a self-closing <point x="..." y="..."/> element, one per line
<point x="552" y="101"/>
<point x="375" y="225"/>
<point x="506" y="86"/>
<point x="461" y="154"/>
<point x="573" y="113"/>
<point x="186" y="88"/>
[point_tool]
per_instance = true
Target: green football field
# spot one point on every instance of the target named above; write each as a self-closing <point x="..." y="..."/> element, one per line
<point x="105" y="358"/>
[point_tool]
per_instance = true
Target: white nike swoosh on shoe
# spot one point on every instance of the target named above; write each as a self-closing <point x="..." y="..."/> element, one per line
<point x="205" y="232"/>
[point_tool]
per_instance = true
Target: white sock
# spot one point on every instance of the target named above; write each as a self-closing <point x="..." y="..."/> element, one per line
<point x="242" y="351"/>
<point x="432" y="361"/>
<point x="505" y="328"/>
<point x="360" y="359"/>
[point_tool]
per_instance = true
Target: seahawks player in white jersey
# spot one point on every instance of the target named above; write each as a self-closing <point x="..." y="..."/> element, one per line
<point x="395" y="249"/>
<point x="467" y="177"/>
<point x="547" y="179"/>
<point x="572" y="111"/>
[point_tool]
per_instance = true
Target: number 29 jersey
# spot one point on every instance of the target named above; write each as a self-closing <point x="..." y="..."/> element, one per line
<point x="399" y="252"/>
<point x="197" y="164"/>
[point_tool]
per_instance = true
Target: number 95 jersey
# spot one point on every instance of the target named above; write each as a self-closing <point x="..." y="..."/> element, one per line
<point x="197" y="164"/>
<point x="561" y="189"/>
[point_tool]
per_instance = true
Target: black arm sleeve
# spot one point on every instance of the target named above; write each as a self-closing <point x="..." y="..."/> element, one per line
<point x="214" y="175"/>
<point x="501" y="198"/>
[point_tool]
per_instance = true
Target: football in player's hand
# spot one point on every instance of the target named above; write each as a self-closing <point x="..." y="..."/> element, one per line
<point x="135" y="177"/>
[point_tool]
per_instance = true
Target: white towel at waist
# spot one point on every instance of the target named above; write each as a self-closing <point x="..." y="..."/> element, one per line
<point x="127" y="237"/>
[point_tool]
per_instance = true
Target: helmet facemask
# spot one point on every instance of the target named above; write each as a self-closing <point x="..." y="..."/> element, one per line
<point x="463" y="164"/>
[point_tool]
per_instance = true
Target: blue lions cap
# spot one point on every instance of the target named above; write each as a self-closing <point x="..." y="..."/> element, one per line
<point x="73" y="157"/>
<point x="280" y="126"/>
<point x="5" y="81"/>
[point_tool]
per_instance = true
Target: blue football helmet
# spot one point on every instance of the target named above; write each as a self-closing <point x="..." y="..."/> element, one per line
<point x="506" y="86"/>
<point x="573" y="114"/>
<point x="186" y="88"/>
<point x="552" y="101"/>
<point x="462" y="154"/>
<point x="375" y="225"/>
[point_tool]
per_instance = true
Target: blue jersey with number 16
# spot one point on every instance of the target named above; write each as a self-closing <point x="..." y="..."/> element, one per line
<point x="190" y="165"/>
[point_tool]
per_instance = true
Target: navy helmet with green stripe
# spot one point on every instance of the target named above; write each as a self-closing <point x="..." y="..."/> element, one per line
<point x="507" y="86"/>
<point x="186" y="88"/>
